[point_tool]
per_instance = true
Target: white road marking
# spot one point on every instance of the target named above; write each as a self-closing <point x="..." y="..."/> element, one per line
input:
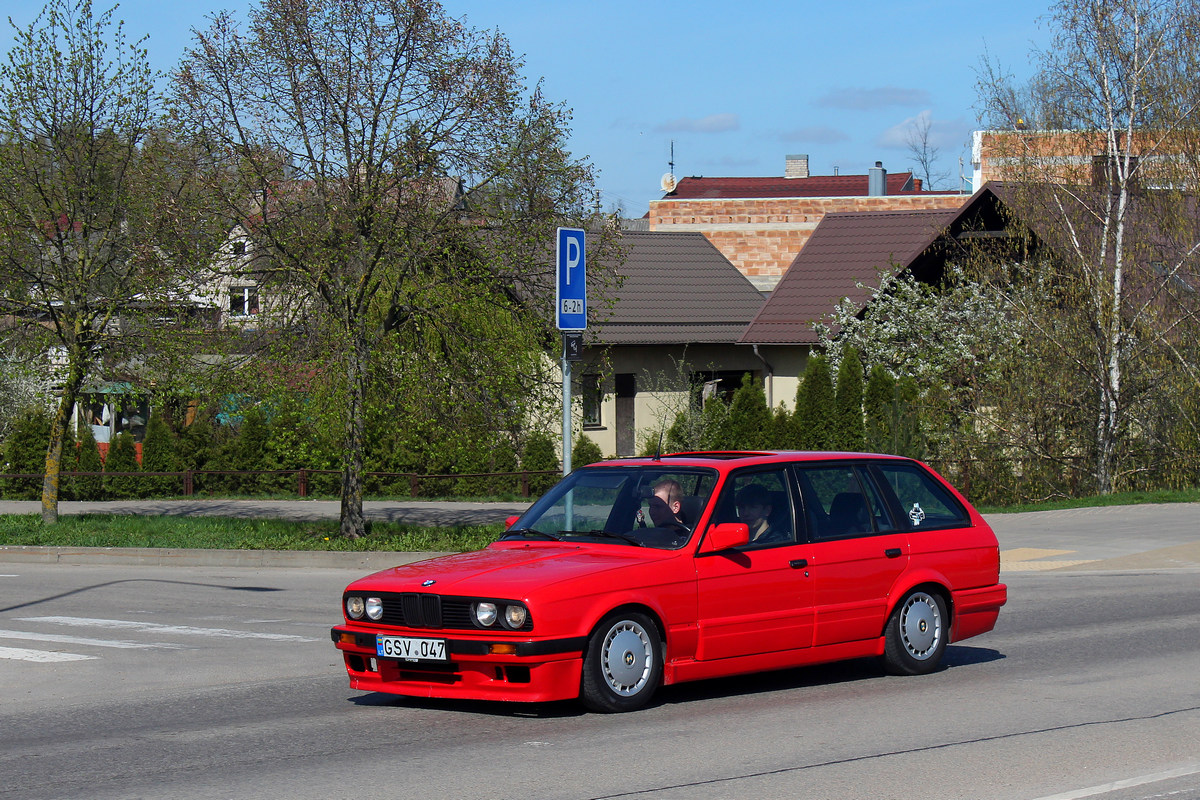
<point x="58" y="638"/>
<point x="1128" y="783"/>
<point x="40" y="656"/>
<point x="157" y="629"/>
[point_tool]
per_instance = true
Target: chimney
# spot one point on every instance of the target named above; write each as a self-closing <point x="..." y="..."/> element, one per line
<point x="877" y="180"/>
<point x="796" y="166"/>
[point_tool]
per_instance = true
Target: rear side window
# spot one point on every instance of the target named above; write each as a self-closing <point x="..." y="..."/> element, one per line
<point x="839" y="505"/>
<point x="922" y="498"/>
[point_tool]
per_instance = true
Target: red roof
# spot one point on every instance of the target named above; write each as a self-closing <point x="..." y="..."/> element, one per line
<point x="818" y="186"/>
<point x="845" y="249"/>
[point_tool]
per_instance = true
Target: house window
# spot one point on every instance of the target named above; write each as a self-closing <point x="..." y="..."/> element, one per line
<point x="243" y="300"/>
<point x="590" y="389"/>
<point x="239" y="248"/>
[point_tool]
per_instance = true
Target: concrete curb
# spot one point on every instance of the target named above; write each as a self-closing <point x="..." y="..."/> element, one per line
<point x="175" y="557"/>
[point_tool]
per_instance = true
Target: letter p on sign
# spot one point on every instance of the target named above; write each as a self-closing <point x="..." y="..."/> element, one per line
<point x="571" y="283"/>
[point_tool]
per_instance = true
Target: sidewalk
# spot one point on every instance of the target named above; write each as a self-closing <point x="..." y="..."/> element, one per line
<point x="414" y="512"/>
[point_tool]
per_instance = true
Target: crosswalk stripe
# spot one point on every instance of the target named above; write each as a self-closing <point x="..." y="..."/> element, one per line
<point x="59" y="638"/>
<point x="158" y="629"/>
<point x="41" y="656"/>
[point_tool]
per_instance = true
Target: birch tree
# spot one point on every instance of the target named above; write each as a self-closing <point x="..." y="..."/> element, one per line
<point x="1104" y="159"/>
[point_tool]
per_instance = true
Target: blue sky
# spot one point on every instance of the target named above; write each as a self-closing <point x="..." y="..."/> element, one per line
<point x="736" y="86"/>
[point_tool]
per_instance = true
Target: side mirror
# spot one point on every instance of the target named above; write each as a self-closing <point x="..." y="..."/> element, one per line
<point x="726" y="536"/>
<point x="510" y="521"/>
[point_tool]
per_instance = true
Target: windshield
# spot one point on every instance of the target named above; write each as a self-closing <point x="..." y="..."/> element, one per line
<point x="649" y="506"/>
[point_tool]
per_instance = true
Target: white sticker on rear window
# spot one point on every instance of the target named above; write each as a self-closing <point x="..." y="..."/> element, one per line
<point x="916" y="514"/>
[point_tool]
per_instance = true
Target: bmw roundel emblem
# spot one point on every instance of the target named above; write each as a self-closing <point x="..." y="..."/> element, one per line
<point x="429" y="582"/>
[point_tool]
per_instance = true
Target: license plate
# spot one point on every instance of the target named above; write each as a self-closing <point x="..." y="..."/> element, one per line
<point x="409" y="648"/>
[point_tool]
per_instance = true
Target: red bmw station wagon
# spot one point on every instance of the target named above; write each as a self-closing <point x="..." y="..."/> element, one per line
<point x="635" y="573"/>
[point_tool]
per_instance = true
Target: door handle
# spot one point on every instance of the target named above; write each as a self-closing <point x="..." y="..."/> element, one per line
<point x="799" y="563"/>
<point x="893" y="552"/>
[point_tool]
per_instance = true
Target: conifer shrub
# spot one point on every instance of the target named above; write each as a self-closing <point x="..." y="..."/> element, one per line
<point x="122" y="458"/>
<point x="585" y="452"/>
<point x="88" y="487"/>
<point x="540" y="454"/>
<point x="848" y="413"/>
<point x="159" y="455"/>
<point x="879" y="401"/>
<point x="750" y="423"/>
<point x="25" y="452"/>
<point x="814" y="425"/>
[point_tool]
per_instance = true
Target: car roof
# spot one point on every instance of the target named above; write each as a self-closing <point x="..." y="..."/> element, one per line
<point x="729" y="458"/>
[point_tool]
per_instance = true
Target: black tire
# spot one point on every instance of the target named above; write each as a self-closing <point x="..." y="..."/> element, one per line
<point x="622" y="666"/>
<point x="916" y="634"/>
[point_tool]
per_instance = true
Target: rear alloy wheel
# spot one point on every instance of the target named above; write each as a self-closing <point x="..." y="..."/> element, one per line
<point x="916" y="635"/>
<point x="622" y="666"/>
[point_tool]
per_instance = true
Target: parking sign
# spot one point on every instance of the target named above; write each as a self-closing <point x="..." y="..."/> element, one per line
<point x="571" y="285"/>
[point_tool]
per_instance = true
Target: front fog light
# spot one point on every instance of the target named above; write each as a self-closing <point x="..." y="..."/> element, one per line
<point x="354" y="607"/>
<point x="374" y="607"/>
<point x="515" y="616"/>
<point x="485" y="614"/>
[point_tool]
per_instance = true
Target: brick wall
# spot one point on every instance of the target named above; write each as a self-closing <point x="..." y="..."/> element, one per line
<point x="761" y="237"/>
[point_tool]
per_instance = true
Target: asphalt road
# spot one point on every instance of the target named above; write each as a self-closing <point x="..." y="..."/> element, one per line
<point x="214" y="681"/>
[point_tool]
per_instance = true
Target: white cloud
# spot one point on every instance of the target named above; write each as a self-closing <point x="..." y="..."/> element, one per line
<point x="820" y="134"/>
<point x="859" y="99"/>
<point x="713" y="123"/>
<point x="945" y="135"/>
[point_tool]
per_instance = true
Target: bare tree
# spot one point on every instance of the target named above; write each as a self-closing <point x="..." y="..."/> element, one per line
<point x="923" y="151"/>
<point x="395" y="174"/>
<point x="1105" y="169"/>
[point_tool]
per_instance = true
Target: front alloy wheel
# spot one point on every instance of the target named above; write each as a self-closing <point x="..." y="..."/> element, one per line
<point x="916" y="635"/>
<point x="623" y="663"/>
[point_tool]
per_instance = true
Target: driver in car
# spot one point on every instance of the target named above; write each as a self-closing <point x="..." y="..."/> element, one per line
<point x="664" y="502"/>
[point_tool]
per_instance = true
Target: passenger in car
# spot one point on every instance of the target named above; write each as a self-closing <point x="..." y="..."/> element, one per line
<point x="754" y="508"/>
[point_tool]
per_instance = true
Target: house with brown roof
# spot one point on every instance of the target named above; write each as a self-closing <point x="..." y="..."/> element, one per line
<point x="844" y="257"/>
<point x="675" y="324"/>
<point x="761" y="224"/>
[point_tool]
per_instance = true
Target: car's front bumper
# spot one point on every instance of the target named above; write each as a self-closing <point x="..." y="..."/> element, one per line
<point x="477" y="668"/>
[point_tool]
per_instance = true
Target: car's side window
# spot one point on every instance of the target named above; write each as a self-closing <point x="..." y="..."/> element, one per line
<point x="761" y="500"/>
<point x="837" y="504"/>
<point x="925" y="502"/>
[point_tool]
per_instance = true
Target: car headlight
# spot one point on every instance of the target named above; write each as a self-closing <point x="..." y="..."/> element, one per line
<point x="486" y="614"/>
<point x="515" y="616"/>
<point x="374" y="607"/>
<point x="354" y="607"/>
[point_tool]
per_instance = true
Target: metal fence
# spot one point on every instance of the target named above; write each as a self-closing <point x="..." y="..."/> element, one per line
<point x="525" y="481"/>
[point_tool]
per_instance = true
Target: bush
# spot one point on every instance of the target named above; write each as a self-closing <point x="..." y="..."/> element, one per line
<point x="750" y="422"/>
<point x="585" y="452"/>
<point x="25" y="451"/>
<point x="848" y="404"/>
<point x="122" y="457"/>
<point x="158" y="455"/>
<point x="540" y="454"/>
<point x="815" y="407"/>
<point x="90" y="487"/>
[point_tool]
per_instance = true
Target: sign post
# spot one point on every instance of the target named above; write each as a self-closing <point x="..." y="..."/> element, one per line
<point x="570" y="301"/>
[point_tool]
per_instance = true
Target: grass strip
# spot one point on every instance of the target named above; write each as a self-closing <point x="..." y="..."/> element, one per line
<point x="224" y="533"/>
<point x="1100" y="501"/>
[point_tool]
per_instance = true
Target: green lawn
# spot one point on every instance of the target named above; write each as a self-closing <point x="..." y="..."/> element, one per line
<point x="103" y="530"/>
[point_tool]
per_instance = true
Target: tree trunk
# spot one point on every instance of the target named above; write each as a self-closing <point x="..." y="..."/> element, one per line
<point x="352" y="524"/>
<point x="58" y="433"/>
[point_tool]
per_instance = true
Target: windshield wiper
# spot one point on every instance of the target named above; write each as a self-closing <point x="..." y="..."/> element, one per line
<point x="523" y="532"/>
<point x="611" y="535"/>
